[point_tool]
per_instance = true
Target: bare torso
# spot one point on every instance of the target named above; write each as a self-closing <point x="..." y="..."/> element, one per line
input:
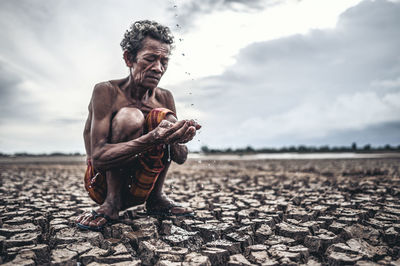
<point x="158" y="97"/>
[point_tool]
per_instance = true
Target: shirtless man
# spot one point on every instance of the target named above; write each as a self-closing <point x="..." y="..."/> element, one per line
<point x="116" y="135"/>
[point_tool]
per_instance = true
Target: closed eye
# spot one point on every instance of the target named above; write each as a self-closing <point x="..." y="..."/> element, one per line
<point x="149" y="59"/>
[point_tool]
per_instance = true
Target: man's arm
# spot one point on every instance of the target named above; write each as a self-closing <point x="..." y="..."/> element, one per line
<point x="179" y="151"/>
<point x="106" y="155"/>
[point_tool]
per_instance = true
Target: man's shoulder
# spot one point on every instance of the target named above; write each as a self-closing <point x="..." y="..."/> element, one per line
<point x="164" y="93"/>
<point x="105" y="88"/>
<point x="104" y="85"/>
<point x="165" y="98"/>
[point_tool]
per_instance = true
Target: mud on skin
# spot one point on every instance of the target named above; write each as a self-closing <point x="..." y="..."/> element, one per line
<point x="247" y="212"/>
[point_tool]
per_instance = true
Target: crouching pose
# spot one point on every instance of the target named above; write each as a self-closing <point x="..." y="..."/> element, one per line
<point x="132" y="132"/>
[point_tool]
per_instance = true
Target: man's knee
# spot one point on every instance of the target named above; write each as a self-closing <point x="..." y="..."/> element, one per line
<point x="126" y="124"/>
<point x="171" y="118"/>
<point x="156" y="115"/>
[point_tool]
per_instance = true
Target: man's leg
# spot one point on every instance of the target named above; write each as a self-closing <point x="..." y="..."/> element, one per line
<point x="157" y="200"/>
<point x="126" y="125"/>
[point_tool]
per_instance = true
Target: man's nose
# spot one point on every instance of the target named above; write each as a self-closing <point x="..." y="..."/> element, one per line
<point x="157" y="67"/>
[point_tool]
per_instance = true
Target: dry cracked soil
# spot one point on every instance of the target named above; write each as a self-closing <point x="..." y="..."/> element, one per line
<point x="260" y="212"/>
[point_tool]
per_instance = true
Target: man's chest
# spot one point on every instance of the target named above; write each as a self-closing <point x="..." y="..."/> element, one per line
<point x="145" y="106"/>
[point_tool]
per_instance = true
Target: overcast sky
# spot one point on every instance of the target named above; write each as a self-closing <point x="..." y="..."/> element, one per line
<point x="266" y="73"/>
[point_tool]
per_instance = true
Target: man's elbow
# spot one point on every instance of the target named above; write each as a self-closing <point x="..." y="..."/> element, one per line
<point x="179" y="153"/>
<point x="180" y="160"/>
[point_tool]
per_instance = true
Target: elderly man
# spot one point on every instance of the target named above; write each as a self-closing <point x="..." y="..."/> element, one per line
<point x="132" y="132"/>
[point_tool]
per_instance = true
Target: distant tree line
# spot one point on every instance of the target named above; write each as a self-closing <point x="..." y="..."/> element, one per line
<point x="250" y="150"/>
<point x="304" y="149"/>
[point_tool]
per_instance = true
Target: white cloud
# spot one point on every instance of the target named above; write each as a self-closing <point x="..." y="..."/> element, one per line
<point x="216" y="38"/>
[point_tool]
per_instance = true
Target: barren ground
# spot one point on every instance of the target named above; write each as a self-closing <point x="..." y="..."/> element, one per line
<point x="264" y="212"/>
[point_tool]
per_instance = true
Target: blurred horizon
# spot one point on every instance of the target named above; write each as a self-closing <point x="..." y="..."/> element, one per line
<point x="260" y="73"/>
<point x="249" y="149"/>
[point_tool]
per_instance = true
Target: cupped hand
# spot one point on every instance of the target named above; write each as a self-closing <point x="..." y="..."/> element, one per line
<point x="179" y="132"/>
<point x="190" y="132"/>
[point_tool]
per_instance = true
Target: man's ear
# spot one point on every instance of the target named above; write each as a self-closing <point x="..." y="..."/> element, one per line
<point x="127" y="58"/>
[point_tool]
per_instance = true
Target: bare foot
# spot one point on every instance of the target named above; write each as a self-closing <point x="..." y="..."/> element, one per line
<point x="161" y="204"/>
<point x="97" y="219"/>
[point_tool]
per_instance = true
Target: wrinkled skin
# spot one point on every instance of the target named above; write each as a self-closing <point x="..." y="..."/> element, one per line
<point x="114" y="129"/>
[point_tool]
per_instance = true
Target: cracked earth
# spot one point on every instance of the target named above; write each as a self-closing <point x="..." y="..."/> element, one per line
<point x="260" y="212"/>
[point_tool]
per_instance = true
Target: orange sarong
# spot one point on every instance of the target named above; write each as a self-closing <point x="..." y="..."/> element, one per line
<point x="145" y="175"/>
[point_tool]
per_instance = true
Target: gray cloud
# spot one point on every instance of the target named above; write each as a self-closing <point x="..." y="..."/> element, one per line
<point x="8" y="84"/>
<point x="15" y="102"/>
<point x="306" y="87"/>
<point x="188" y="12"/>
<point x="379" y="135"/>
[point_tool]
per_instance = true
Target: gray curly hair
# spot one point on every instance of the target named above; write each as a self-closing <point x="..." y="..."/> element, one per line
<point x="132" y="41"/>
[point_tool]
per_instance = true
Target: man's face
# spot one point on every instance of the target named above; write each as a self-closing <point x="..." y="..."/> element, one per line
<point x="151" y="63"/>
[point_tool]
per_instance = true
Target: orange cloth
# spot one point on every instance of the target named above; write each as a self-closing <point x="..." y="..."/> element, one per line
<point x="145" y="176"/>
